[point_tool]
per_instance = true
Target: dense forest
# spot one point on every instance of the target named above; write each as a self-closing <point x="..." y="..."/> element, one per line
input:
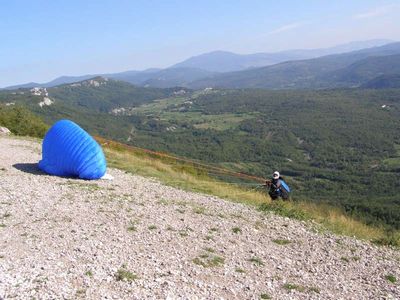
<point x="338" y="146"/>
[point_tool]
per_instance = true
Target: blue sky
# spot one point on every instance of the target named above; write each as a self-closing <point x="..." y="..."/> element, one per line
<point x="41" y="40"/>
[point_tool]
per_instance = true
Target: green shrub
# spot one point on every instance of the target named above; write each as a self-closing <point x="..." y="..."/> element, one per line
<point x="391" y="278"/>
<point x="20" y="121"/>
<point x="125" y="275"/>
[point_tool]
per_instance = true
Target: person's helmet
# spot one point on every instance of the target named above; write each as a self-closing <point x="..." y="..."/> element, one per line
<point x="276" y="175"/>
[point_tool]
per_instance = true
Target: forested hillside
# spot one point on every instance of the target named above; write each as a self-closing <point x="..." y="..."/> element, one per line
<point x="384" y="82"/>
<point x="101" y="94"/>
<point x="340" y="146"/>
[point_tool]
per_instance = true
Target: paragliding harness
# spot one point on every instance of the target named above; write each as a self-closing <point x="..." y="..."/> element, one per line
<point x="275" y="192"/>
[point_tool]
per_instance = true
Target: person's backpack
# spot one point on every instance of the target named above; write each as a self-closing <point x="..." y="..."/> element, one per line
<point x="284" y="189"/>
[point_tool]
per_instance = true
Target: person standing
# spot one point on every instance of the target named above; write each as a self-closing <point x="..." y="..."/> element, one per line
<point x="277" y="187"/>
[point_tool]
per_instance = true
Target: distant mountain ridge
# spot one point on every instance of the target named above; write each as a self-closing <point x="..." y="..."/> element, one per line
<point x="223" y="61"/>
<point x="367" y="69"/>
<point x="391" y="81"/>
<point x="324" y="72"/>
<point x="209" y="65"/>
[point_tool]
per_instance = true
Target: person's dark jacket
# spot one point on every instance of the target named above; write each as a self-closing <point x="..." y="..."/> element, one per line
<point x="275" y="189"/>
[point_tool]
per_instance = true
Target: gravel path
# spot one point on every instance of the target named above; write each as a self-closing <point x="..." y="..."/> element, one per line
<point x="134" y="238"/>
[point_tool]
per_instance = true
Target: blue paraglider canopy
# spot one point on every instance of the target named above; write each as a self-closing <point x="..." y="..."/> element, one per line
<point x="68" y="150"/>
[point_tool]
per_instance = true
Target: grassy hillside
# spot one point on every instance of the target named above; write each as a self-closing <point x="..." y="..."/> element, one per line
<point x="194" y="178"/>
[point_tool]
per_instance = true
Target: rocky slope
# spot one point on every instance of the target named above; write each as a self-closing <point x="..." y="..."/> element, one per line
<point x="134" y="238"/>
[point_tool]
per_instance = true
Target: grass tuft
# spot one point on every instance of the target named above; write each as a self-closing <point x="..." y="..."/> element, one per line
<point x="257" y="261"/>
<point x="236" y="230"/>
<point x="132" y="226"/>
<point x="281" y="242"/>
<point x="390" y="238"/>
<point x="292" y="286"/>
<point x="6" y="215"/>
<point x="125" y="275"/>
<point x="199" y="210"/>
<point x="240" y="270"/>
<point x="314" y="289"/>
<point x="300" y="288"/>
<point x="391" y="278"/>
<point x="208" y="249"/>
<point x="345" y="259"/>
<point x="207" y="260"/>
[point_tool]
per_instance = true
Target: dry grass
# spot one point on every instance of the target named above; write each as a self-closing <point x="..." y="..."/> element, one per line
<point x="187" y="177"/>
<point x="335" y="220"/>
<point x="178" y="175"/>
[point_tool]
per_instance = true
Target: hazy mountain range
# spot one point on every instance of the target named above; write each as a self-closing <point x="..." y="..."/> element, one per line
<point x="314" y="68"/>
<point x="351" y="69"/>
<point x="222" y="61"/>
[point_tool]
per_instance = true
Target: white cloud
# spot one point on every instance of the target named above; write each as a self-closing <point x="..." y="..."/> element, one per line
<point x="286" y="27"/>
<point x="377" y="11"/>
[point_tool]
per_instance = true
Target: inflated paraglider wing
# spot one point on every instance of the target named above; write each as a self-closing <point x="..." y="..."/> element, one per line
<point x="68" y="150"/>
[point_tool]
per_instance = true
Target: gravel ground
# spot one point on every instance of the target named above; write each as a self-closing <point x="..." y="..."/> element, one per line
<point x="134" y="238"/>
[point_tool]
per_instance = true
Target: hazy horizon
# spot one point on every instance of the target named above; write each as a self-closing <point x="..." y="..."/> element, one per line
<point x="44" y="40"/>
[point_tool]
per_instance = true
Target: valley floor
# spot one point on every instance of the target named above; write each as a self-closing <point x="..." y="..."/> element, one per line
<point x="134" y="238"/>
